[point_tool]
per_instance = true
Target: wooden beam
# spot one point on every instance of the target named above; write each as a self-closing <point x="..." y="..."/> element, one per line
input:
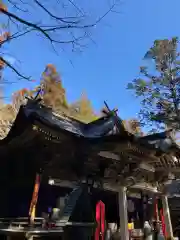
<point x="73" y="184"/>
<point x="62" y="183"/>
<point x="107" y="186"/>
<point x="111" y="155"/>
<point x="147" y="167"/>
<point x="149" y="158"/>
<point x="174" y="169"/>
<point x="145" y="187"/>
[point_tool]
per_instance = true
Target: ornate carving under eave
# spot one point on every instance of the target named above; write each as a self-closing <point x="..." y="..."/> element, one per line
<point x="47" y="134"/>
<point x="127" y="146"/>
<point x="168" y="163"/>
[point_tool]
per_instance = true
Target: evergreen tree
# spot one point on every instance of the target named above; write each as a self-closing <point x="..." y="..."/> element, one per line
<point x="159" y="89"/>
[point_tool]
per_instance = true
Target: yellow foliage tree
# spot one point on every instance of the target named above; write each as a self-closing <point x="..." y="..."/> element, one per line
<point x="53" y="94"/>
<point x="7" y="113"/>
<point x="19" y="98"/>
<point x="133" y="126"/>
<point x="82" y="109"/>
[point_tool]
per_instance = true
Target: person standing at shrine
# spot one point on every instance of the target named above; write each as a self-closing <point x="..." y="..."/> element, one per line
<point x="148" y="231"/>
<point x="156" y="229"/>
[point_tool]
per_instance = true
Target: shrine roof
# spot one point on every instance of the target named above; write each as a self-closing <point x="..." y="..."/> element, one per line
<point x="35" y="122"/>
<point x="108" y="128"/>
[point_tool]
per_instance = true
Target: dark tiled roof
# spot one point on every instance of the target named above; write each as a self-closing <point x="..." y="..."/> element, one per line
<point x="107" y="132"/>
<point x="109" y="128"/>
<point x="105" y="126"/>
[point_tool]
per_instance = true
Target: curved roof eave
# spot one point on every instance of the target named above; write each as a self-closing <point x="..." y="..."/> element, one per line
<point x="101" y="130"/>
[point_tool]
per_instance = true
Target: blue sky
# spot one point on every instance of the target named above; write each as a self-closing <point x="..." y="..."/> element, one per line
<point x="103" y="69"/>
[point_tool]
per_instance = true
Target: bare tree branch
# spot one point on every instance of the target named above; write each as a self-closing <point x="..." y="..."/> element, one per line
<point x="27" y="23"/>
<point x="50" y="29"/>
<point x="40" y="29"/>
<point x="13" y="68"/>
<point x="59" y="25"/>
<point x="15" y="5"/>
<point x="53" y="16"/>
<point x="14" y="36"/>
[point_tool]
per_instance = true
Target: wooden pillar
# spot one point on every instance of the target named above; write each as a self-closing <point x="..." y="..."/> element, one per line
<point x="167" y="217"/>
<point x="156" y="209"/>
<point x="123" y="213"/>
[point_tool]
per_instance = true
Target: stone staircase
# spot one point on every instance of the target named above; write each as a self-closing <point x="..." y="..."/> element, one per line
<point x="70" y="205"/>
